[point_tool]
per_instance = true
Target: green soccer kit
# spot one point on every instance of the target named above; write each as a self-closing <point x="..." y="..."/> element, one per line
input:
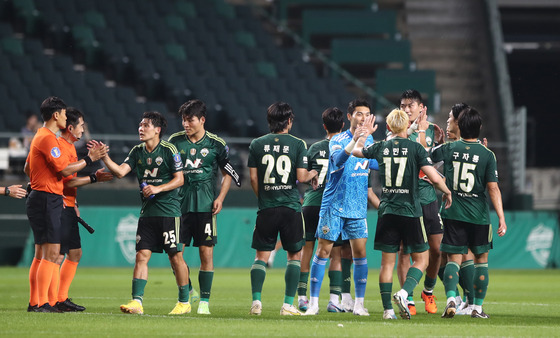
<point x="200" y="169"/>
<point x="427" y="192"/>
<point x="157" y="168"/>
<point x="399" y="161"/>
<point x="468" y="167"/>
<point x="318" y="159"/>
<point x="276" y="157"/>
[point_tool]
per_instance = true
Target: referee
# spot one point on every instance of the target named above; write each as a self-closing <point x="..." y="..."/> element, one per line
<point x="45" y="167"/>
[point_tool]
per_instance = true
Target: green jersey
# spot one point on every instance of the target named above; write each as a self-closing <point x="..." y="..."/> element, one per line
<point x="200" y="169"/>
<point x="427" y="191"/>
<point x="399" y="162"/>
<point x="157" y="168"/>
<point x="468" y="167"/>
<point x="276" y="157"/>
<point x="318" y="159"/>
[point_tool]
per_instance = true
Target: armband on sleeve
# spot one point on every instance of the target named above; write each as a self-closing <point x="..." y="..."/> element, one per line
<point x="224" y="164"/>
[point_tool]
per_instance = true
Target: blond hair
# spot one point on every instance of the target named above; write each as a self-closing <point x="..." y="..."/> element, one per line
<point x="397" y="121"/>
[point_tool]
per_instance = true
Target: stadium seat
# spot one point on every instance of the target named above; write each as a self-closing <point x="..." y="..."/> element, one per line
<point x="285" y="5"/>
<point x="12" y="46"/>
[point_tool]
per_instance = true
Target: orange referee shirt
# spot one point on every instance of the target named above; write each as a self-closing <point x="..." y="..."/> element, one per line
<point x="45" y="162"/>
<point x="69" y="150"/>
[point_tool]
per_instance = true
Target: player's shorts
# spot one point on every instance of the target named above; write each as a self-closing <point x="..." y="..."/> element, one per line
<point x="280" y="220"/>
<point x="331" y="227"/>
<point x="311" y="218"/>
<point x="70" y="231"/>
<point x="158" y="233"/>
<point x="459" y="236"/>
<point x="392" y="229"/>
<point x="43" y="211"/>
<point x="200" y="227"/>
<point x="432" y="219"/>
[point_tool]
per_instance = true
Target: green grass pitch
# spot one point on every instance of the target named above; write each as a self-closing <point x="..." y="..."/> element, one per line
<point x="520" y="303"/>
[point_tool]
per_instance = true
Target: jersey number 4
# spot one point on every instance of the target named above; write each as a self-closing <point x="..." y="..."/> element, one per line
<point x="283" y="168"/>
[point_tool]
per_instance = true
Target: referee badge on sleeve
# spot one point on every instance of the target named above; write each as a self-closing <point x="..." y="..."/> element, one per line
<point x="55" y="152"/>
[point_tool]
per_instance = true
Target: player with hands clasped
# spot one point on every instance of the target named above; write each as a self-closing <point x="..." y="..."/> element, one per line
<point x="400" y="213"/>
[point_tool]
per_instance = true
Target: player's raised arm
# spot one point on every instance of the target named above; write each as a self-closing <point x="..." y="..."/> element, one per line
<point x="363" y="132"/>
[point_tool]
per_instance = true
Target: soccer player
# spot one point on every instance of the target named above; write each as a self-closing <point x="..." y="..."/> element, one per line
<point x="400" y="213"/>
<point x="344" y="208"/>
<point x="318" y="160"/>
<point x="423" y="132"/>
<point x="159" y="170"/>
<point x="276" y="160"/>
<point x="45" y="166"/>
<point x="470" y="170"/>
<point x="203" y="153"/>
<point x="70" y="241"/>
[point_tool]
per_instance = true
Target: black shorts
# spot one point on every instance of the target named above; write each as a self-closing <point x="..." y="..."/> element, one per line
<point x="43" y="211"/>
<point x="158" y="233"/>
<point x="200" y="227"/>
<point x="281" y="220"/>
<point x="311" y="218"/>
<point x="432" y="219"/>
<point x="460" y="236"/>
<point x="70" y="231"/>
<point x="392" y="229"/>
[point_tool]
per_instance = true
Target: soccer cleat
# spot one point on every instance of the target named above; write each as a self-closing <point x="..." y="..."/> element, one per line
<point x="402" y="304"/>
<point x="312" y="310"/>
<point x="412" y="308"/>
<point x="482" y="314"/>
<point x="462" y="305"/>
<point x="256" y="308"/>
<point x="334" y="308"/>
<point x="348" y="305"/>
<point x="32" y="308"/>
<point x="465" y="311"/>
<point x="69" y="306"/>
<point x="203" y="308"/>
<point x="133" y="306"/>
<point x="289" y="310"/>
<point x="303" y="304"/>
<point x="47" y="308"/>
<point x="459" y="303"/>
<point x="389" y="314"/>
<point x="450" y="310"/>
<point x="194" y="296"/>
<point x="429" y="302"/>
<point x="360" y="310"/>
<point x="181" y="308"/>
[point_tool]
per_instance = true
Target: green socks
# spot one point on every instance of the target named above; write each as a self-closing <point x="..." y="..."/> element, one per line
<point x="413" y="276"/>
<point x="346" y="274"/>
<point x="480" y="282"/>
<point x="302" y="284"/>
<point x="385" y="289"/>
<point x="138" y="286"/>
<point x="291" y="278"/>
<point x="335" y="282"/>
<point x="258" y="273"/>
<point x="184" y="293"/>
<point x="451" y="276"/>
<point x="466" y="279"/>
<point x="205" y="282"/>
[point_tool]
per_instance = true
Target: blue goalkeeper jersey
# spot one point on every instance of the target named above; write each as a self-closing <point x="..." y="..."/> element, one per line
<point x="347" y="180"/>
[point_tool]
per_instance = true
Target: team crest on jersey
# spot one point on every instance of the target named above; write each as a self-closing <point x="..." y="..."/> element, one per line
<point x="325" y="229"/>
<point x="428" y="140"/>
<point x="159" y="160"/>
<point x="177" y="158"/>
<point x="204" y="152"/>
<point x="193" y="151"/>
<point x="55" y="152"/>
<point x="149" y="161"/>
<point x="386" y="151"/>
<point x="276" y="139"/>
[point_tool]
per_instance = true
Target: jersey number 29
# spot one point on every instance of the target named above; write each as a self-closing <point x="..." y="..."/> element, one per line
<point x="283" y="168"/>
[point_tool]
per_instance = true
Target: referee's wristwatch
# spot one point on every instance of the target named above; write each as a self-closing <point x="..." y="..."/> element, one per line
<point x="6" y="191"/>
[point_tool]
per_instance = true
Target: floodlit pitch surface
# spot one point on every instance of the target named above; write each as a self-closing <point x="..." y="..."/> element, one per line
<point x="519" y="302"/>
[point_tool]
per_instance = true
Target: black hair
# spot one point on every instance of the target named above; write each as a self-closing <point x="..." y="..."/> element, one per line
<point x="73" y="117"/>
<point x="357" y="103"/>
<point x="278" y="116"/>
<point x="157" y="120"/>
<point x="51" y="105"/>
<point x="333" y="119"/>
<point x="469" y="123"/>
<point x="412" y="94"/>
<point x="457" y="109"/>
<point x="193" y="108"/>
